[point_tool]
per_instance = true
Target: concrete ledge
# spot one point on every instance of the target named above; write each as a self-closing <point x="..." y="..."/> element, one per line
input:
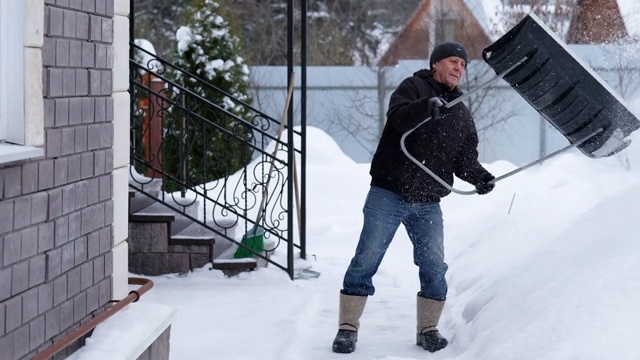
<point x="130" y="333"/>
<point x="11" y="153"/>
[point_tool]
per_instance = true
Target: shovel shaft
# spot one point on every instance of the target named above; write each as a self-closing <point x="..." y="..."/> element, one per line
<point x="501" y="177"/>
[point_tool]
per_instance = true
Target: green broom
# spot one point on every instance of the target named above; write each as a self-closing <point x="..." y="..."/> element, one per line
<point x="254" y="238"/>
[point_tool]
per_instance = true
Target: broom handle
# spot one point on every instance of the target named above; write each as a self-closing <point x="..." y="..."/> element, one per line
<point x="283" y="121"/>
<point x="297" y="193"/>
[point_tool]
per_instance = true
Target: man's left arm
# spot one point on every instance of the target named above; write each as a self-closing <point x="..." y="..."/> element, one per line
<point x="468" y="168"/>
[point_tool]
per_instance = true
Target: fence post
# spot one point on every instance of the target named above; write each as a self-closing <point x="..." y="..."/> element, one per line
<point x="382" y="96"/>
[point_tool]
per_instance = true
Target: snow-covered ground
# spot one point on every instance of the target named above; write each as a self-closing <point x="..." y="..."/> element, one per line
<point x="547" y="266"/>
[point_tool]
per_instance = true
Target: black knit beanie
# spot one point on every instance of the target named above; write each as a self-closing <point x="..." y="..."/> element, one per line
<point x="447" y="49"/>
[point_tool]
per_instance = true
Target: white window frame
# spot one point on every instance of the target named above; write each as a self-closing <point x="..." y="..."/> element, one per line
<point x="12" y="71"/>
<point x="21" y="102"/>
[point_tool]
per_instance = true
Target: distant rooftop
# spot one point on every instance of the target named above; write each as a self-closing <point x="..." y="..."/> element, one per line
<point x="488" y="13"/>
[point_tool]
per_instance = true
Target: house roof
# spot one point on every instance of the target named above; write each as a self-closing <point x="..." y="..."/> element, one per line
<point x="416" y="38"/>
<point x="487" y="12"/>
<point x="405" y="36"/>
<point x="487" y="16"/>
<point x="597" y="21"/>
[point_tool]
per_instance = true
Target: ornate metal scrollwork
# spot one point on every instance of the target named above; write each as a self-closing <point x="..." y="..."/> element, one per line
<point x="192" y="149"/>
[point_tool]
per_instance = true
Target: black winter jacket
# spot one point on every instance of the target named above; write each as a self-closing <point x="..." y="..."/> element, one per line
<point x="447" y="145"/>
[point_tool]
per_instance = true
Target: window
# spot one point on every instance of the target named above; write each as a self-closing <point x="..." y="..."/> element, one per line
<point x="12" y="71"/>
<point x="21" y="117"/>
<point x="446" y="30"/>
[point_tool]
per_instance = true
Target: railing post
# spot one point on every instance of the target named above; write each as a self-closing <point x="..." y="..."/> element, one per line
<point x="303" y="130"/>
<point x="152" y="126"/>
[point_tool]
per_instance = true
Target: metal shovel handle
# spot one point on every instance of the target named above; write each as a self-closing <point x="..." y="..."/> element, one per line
<point x="426" y="169"/>
<point x="501" y="177"/>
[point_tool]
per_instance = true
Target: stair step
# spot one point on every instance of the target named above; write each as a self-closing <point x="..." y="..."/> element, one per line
<point x="231" y="266"/>
<point x="246" y="264"/>
<point x="192" y="238"/>
<point x="151" y="217"/>
<point x="195" y="247"/>
<point x="191" y="241"/>
<point x="139" y="201"/>
<point x="180" y="221"/>
<point x="195" y="230"/>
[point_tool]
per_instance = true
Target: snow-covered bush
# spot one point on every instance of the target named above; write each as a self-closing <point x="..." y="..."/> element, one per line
<point x="211" y="129"/>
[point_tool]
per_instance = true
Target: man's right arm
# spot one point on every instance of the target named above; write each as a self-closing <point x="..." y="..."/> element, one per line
<point x="407" y="109"/>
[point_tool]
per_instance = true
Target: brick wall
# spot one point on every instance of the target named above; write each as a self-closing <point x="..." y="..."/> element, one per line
<point x="56" y="213"/>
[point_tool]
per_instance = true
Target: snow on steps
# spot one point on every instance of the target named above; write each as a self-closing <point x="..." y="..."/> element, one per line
<point x="231" y="266"/>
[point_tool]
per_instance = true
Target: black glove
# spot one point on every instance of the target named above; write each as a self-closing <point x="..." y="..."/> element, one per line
<point x="433" y="106"/>
<point x="484" y="185"/>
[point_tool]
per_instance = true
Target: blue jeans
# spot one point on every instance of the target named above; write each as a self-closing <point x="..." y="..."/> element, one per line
<point x="383" y="213"/>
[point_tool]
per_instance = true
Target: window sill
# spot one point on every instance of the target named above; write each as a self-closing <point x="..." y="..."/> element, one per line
<point x="11" y="153"/>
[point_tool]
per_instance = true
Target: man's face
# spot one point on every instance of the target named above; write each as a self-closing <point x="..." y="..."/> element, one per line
<point x="449" y="70"/>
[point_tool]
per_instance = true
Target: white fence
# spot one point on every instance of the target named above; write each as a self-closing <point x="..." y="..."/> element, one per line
<point x="349" y="103"/>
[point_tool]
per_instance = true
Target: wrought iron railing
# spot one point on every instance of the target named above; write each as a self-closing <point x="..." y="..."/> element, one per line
<point x="209" y="157"/>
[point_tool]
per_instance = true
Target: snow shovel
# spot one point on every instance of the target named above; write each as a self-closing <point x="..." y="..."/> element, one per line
<point x="571" y="97"/>
<point x="253" y="240"/>
<point x="562" y="88"/>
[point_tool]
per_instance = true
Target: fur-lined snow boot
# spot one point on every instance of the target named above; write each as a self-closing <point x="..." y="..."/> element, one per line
<point x="427" y="336"/>
<point x="351" y="309"/>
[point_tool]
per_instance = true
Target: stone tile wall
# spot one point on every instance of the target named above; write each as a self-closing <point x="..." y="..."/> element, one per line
<point x="56" y="213"/>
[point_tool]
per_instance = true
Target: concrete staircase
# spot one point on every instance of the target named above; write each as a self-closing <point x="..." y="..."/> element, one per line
<point x="164" y="241"/>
